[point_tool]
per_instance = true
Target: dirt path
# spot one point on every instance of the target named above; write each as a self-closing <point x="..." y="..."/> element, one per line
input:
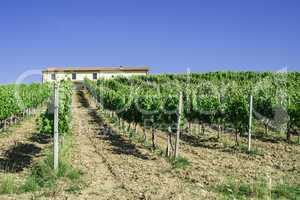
<point x="119" y="169"/>
<point x="102" y="184"/>
<point x="20" y="147"/>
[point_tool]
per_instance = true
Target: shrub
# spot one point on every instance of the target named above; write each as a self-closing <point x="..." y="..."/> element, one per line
<point x="179" y="162"/>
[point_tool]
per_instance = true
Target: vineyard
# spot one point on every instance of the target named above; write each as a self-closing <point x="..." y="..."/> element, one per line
<point x="18" y="100"/>
<point x="162" y="136"/>
<point x="46" y="119"/>
<point x="220" y="99"/>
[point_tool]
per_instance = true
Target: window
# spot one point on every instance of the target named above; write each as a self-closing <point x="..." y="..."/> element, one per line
<point x="53" y="76"/>
<point x="73" y="76"/>
<point x="95" y="76"/>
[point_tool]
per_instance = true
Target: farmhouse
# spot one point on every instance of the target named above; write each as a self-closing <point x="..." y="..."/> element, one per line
<point x="78" y="74"/>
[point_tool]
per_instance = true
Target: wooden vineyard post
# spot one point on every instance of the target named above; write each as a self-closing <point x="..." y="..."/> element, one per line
<point x="169" y="150"/>
<point x="56" y="141"/>
<point x="5" y="124"/>
<point x="153" y="138"/>
<point x="250" y="123"/>
<point x="178" y="126"/>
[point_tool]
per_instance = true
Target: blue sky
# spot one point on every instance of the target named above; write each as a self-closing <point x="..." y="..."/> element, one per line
<point x="167" y="35"/>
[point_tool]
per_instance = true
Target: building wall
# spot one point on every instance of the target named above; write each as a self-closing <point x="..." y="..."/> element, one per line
<point x="80" y="76"/>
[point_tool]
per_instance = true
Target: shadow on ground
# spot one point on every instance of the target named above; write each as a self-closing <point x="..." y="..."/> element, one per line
<point x="120" y="145"/>
<point x="268" y="138"/>
<point x="40" y="138"/>
<point x="18" y="157"/>
<point x="207" y="142"/>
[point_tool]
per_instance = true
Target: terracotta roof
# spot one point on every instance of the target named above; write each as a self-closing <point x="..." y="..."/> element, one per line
<point x="88" y="69"/>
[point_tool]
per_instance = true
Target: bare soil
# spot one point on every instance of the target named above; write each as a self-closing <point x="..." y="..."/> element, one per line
<point x="20" y="148"/>
<point x="215" y="160"/>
